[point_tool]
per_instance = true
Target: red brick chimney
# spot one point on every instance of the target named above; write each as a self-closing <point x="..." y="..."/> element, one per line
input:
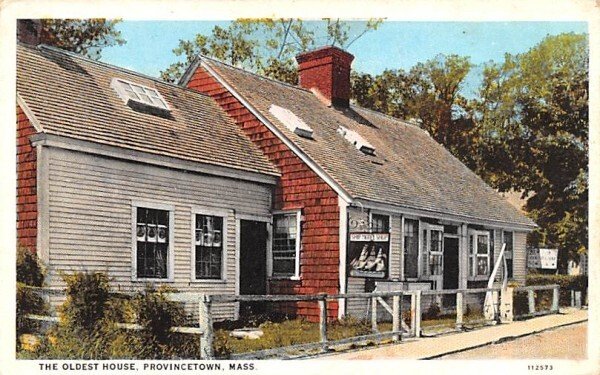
<point x="326" y="69"/>
<point x="29" y="31"/>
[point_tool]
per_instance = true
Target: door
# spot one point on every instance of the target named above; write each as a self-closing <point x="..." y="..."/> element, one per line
<point x="253" y="263"/>
<point x="450" y="263"/>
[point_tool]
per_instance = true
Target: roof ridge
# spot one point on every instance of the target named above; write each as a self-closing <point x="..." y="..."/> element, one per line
<point x="106" y="65"/>
<point x="253" y="73"/>
<point x="405" y="122"/>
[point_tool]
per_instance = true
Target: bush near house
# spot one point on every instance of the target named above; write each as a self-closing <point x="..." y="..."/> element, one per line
<point x="566" y="283"/>
<point x="29" y="273"/>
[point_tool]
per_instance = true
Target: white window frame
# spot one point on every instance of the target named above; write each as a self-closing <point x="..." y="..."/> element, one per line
<point x="116" y="84"/>
<point x="296" y="275"/>
<point x="426" y="252"/>
<point x="224" y="236"/>
<point x="475" y="255"/>
<point x="135" y="204"/>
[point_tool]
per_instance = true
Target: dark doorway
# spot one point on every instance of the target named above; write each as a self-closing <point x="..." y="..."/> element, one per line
<point x="450" y="263"/>
<point x="253" y="264"/>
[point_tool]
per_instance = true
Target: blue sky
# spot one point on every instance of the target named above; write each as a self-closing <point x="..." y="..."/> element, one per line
<point x="393" y="45"/>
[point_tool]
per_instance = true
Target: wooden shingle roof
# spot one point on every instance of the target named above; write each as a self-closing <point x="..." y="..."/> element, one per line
<point x="71" y="96"/>
<point x="409" y="168"/>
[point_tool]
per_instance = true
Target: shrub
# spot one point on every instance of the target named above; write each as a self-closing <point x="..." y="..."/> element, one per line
<point x="432" y="312"/>
<point x="566" y="283"/>
<point x="29" y="273"/>
<point x="87" y="301"/>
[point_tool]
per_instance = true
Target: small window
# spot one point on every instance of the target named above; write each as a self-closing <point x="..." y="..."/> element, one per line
<point x="508" y="253"/>
<point x="380" y="223"/>
<point x="436" y="252"/>
<point x="138" y="93"/>
<point x="286" y="245"/>
<point x="291" y="121"/>
<point x="356" y="140"/>
<point x="208" y="245"/>
<point x="479" y="254"/>
<point x="152" y="252"/>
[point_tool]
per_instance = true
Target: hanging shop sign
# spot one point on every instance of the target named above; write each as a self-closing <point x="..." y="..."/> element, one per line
<point x="542" y="258"/>
<point x="368" y="255"/>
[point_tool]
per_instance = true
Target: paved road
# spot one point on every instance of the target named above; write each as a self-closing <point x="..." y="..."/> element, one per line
<point x="541" y="345"/>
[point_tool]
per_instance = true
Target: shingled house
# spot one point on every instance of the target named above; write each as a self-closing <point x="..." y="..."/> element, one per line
<point x="233" y="183"/>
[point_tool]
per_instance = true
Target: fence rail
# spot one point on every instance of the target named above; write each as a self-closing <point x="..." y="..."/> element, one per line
<point x="496" y="306"/>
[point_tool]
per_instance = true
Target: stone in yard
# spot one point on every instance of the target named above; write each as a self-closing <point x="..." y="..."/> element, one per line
<point x="246" y="333"/>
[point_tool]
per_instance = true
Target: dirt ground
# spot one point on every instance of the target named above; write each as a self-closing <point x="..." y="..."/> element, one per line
<point x="541" y="345"/>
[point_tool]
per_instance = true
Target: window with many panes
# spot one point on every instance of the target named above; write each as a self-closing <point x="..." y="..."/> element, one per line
<point x="138" y="93"/>
<point x="152" y="252"/>
<point x="479" y="253"/>
<point x="380" y="223"/>
<point x="508" y="252"/>
<point x="208" y="245"/>
<point x="436" y="252"/>
<point x="286" y="245"/>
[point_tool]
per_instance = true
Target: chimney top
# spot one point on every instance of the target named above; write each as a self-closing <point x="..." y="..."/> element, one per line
<point x="326" y="69"/>
<point x="29" y="31"/>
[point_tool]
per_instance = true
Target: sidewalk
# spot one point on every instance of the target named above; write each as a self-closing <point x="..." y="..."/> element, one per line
<point x="432" y="347"/>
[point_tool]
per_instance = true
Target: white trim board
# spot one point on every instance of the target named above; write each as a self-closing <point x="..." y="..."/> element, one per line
<point x="116" y="152"/>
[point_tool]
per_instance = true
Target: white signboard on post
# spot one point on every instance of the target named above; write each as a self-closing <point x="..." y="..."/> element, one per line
<point x="542" y="258"/>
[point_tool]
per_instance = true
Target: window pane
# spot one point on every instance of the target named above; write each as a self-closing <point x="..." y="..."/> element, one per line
<point x="508" y="240"/>
<point x="380" y="223"/>
<point x="482" y="244"/>
<point x="152" y="232"/>
<point x="482" y="265"/>
<point x="209" y="246"/>
<point x="284" y="244"/>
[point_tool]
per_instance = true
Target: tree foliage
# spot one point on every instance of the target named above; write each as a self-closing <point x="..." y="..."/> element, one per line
<point x="526" y="129"/>
<point x="266" y="46"/>
<point x="533" y="111"/>
<point x="85" y="36"/>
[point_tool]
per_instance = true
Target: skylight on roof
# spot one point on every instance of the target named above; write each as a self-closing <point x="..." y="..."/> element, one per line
<point x="138" y="93"/>
<point x="291" y="121"/>
<point x="357" y="140"/>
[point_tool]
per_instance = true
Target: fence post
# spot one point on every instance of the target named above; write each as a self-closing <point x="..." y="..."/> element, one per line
<point x="374" y="314"/>
<point x="459" y="310"/>
<point x="531" y="299"/>
<point x="323" y="322"/>
<point x="206" y="325"/>
<point x="418" y="313"/>
<point x="507" y="305"/>
<point x="396" y="317"/>
<point x="555" y="296"/>
<point x="578" y="299"/>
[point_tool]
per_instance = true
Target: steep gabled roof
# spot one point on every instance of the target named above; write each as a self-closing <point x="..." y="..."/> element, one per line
<point x="71" y="96"/>
<point x="408" y="169"/>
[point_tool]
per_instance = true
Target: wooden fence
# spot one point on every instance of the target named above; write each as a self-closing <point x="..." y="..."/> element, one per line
<point x="376" y="299"/>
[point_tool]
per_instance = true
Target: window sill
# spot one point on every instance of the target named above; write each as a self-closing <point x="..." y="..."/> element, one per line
<point x="277" y="278"/>
<point x="478" y="278"/>
<point x="208" y="281"/>
<point x="142" y="280"/>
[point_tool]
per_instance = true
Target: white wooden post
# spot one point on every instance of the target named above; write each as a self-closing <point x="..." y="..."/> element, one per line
<point x="506" y="305"/>
<point x="323" y="323"/>
<point x="206" y="325"/>
<point x="555" y="297"/>
<point x="418" y="313"/>
<point x="459" y="310"/>
<point x="531" y="299"/>
<point x="374" y="314"/>
<point x="413" y="316"/>
<point x="578" y="299"/>
<point x="396" y="317"/>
